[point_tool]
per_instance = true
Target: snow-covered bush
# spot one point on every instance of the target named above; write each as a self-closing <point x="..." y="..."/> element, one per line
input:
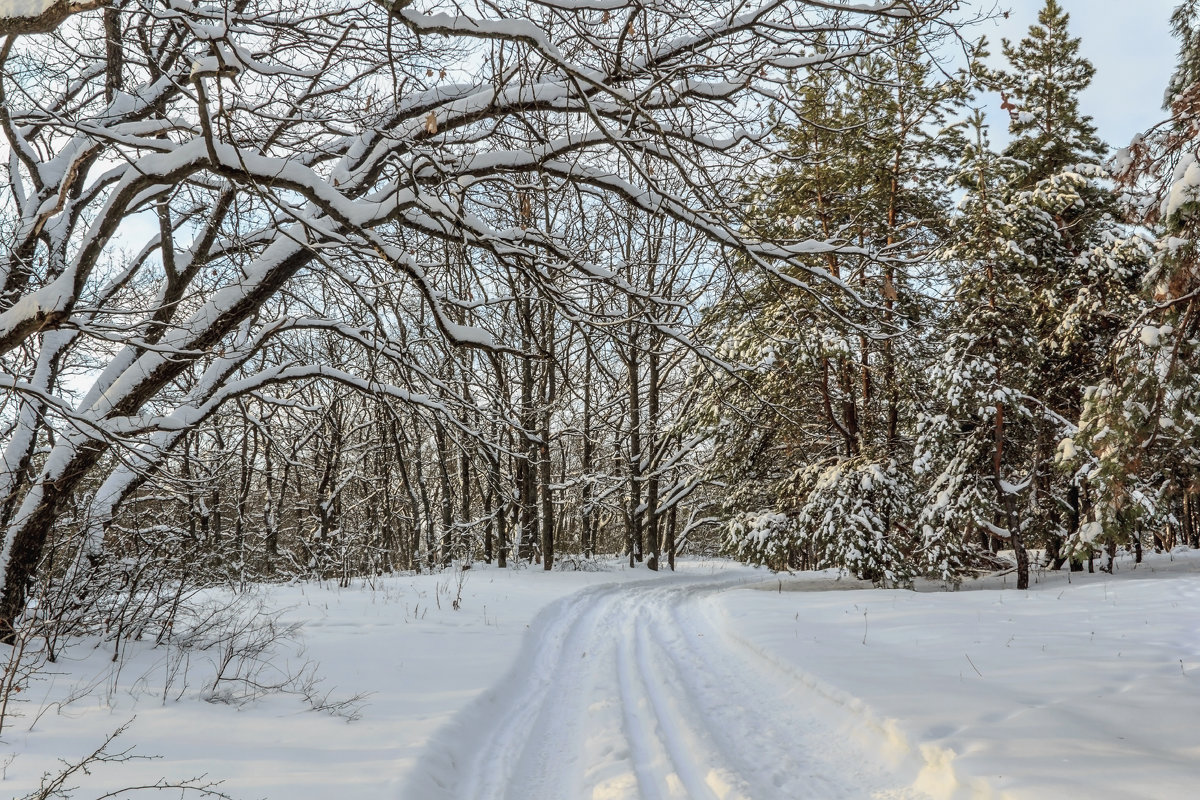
<point x="850" y="515"/>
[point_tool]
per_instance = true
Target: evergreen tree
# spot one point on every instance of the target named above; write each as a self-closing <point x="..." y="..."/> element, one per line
<point x="1046" y="277"/>
<point x="1041" y="90"/>
<point x="973" y="447"/>
<point x="847" y="519"/>
<point x="825" y="408"/>
<point x="1185" y="25"/>
<point x="1139" y="438"/>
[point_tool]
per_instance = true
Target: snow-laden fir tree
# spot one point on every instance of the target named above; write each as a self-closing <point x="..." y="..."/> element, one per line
<point x="1088" y="263"/>
<point x="812" y="439"/>
<point x="1041" y="88"/>
<point x="851" y="516"/>
<point x="1139" y="437"/>
<point x="973" y="448"/>
<point x="1185" y="26"/>
<point x="1046" y="278"/>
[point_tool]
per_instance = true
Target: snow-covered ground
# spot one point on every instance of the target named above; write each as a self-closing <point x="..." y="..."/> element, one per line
<point x="717" y="682"/>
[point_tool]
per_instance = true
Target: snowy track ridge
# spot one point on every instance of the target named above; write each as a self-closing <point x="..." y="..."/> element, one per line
<point x="639" y="691"/>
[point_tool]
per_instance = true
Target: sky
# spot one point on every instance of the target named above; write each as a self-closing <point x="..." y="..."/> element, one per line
<point x="1129" y="43"/>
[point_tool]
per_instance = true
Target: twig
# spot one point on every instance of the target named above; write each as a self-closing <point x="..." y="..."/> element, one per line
<point x="972" y="663"/>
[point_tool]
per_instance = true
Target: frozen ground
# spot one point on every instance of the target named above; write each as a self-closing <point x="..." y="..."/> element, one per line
<point x="717" y="682"/>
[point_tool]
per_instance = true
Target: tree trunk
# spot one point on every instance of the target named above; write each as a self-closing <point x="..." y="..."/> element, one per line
<point x="588" y="534"/>
<point x="488" y="493"/>
<point x="652" y="480"/>
<point x="446" y="545"/>
<point x="33" y="523"/>
<point x="527" y="466"/>
<point x="464" y="485"/>
<point x="634" y="519"/>
<point x="670" y="534"/>
<point x="544" y="467"/>
<point x="547" y="495"/>
<point x="1008" y="503"/>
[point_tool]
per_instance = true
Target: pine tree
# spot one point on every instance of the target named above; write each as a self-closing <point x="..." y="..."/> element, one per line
<point x="1088" y="263"/>
<point x="1046" y="278"/>
<point x="1139" y="438"/>
<point x="826" y="409"/>
<point x="1042" y="88"/>
<point x="974" y="447"/>
<point x="1185" y="26"/>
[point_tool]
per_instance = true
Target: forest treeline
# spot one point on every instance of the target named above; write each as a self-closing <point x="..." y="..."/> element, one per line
<point x="1040" y="391"/>
<point x="313" y="288"/>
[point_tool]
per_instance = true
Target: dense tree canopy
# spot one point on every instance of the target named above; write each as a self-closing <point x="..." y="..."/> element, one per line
<point x="315" y="287"/>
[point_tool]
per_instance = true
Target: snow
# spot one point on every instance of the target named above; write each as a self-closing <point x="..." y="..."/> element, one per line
<point x="420" y="660"/>
<point x="1084" y="687"/>
<point x="718" y="681"/>
<point x="469" y="334"/>
<point x="1185" y="184"/>
<point x="1089" y="531"/>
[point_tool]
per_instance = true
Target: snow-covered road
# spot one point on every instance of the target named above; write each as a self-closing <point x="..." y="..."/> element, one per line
<point x="639" y="691"/>
<point x="717" y="681"/>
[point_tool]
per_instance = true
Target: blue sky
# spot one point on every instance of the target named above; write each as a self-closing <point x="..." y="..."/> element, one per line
<point x="1130" y="44"/>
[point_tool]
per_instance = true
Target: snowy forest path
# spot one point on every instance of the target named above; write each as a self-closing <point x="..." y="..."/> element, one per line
<point x="640" y="691"/>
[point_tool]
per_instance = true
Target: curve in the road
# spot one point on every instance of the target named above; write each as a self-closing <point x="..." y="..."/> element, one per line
<point x="640" y="692"/>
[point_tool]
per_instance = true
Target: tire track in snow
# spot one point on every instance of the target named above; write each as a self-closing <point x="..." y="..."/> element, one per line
<point x="551" y="717"/>
<point x="804" y="745"/>
<point x="651" y="762"/>
<point x="535" y="709"/>
<point x="635" y="692"/>
<point x="699" y="758"/>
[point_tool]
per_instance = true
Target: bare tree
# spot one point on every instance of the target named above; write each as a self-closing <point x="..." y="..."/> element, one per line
<point x="190" y="185"/>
